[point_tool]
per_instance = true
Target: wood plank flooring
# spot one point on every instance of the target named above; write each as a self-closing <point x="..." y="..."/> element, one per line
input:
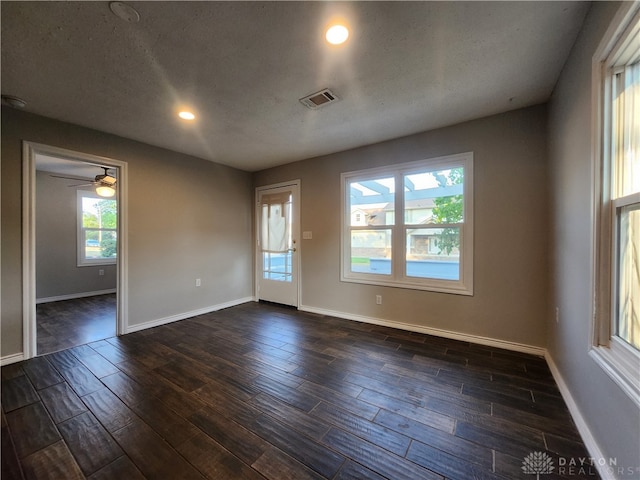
<point x="260" y="391"/>
<point x="69" y="323"/>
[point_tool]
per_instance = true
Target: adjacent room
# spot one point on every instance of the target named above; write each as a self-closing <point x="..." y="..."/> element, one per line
<point x="76" y="251"/>
<point x="320" y="240"/>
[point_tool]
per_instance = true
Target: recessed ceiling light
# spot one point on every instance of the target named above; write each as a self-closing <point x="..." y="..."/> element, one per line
<point x="337" y="34"/>
<point x="186" y="115"/>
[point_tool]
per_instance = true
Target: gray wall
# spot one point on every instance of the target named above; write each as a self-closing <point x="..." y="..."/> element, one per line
<point x="510" y="252"/>
<point x="57" y="271"/>
<point x="188" y="218"/>
<point x="611" y="416"/>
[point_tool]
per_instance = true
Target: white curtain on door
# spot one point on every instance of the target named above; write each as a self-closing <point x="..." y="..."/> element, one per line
<point x="275" y="235"/>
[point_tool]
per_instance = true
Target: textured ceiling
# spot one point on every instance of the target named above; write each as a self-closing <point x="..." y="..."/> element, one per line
<point x="72" y="168"/>
<point x="242" y="66"/>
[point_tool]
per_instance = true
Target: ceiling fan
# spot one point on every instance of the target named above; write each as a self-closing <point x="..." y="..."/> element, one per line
<point x="105" y="184"/>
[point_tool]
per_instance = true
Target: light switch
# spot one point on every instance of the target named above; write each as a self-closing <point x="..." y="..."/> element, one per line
<point x="307" y="235"/>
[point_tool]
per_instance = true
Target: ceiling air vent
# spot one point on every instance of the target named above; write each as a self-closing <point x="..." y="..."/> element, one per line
<point x="319" y="99"/>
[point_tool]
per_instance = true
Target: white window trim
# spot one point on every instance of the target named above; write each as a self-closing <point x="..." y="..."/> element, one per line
<point x="463" y="286"/>
<point x="81" y="260"/>
<point x="619" y="360"/>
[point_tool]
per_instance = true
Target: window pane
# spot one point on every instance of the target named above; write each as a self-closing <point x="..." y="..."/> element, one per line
<point x="626" y="136"/>
<point x="277" y="266"/>
<point x="372" y="202"/>
<point x="629" y="277"/>
<point x="434" y="196"/>
<point x="99" y="213"/>
<point x="433" y="253"/>
<point x="371" y="251"/>
<point x="100" y="244"/>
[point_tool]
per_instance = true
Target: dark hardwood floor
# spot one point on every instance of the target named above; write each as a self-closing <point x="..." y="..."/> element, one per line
<point x="260" y="391"/>
<point x="69" y="323"/>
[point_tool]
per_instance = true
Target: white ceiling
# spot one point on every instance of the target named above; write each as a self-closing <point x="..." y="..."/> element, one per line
<point x="71" y="168"/>
<point x="242" y="66"/>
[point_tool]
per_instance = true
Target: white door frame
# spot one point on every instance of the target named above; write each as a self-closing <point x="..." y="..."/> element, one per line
<point x="29" y="152"/>
<point x="296" y="233"/>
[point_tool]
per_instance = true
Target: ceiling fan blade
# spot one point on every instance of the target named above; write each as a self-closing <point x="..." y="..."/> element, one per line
<point x="82" y="185"/>
<point x="73" y="178"/>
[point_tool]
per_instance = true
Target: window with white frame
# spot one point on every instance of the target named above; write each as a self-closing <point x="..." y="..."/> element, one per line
<point x="410" y="225"/>
<point x="97" y="229"/>
<point x="617" y="289"/>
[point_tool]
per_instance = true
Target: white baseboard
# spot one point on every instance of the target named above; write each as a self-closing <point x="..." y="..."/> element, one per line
<point x="587" y="437"/>
<point x="73" y="296"/>
<point x="9" y="359"/>
<point x="465" y="337"/>
<point x="182" y="316"/>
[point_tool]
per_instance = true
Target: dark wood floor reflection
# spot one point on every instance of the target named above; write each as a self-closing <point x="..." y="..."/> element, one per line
<point x="259" y="391"/>
<point x="70" y="323"/>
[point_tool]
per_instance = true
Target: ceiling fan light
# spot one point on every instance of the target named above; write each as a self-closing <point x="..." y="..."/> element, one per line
<point x="105" y="191"/>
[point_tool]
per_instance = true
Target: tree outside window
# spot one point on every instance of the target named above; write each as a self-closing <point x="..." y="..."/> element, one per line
<point x="97" y="229"/>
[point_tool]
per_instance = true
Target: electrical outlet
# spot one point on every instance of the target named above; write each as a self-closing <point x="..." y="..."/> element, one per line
<point x="101" y="272"/>
<point x="557" y="314"/>
<point x="378" y="299"/>
<point x="198" y="282"/>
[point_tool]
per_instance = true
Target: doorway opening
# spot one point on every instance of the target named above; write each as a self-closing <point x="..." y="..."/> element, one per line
<point x="74" y="226"/>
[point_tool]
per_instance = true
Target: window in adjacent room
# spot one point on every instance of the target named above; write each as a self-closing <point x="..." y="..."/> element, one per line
<point x="410" y="225"/>
<point x="97" y="229"/>
<point x="617" y="316"/>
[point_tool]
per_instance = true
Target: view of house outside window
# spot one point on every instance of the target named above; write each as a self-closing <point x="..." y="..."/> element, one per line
<point x="430" y="198"/>
<point x="407" y="226"/>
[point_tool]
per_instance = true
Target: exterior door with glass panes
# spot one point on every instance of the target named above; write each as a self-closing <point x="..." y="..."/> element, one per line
<point x="277" y="241"/>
